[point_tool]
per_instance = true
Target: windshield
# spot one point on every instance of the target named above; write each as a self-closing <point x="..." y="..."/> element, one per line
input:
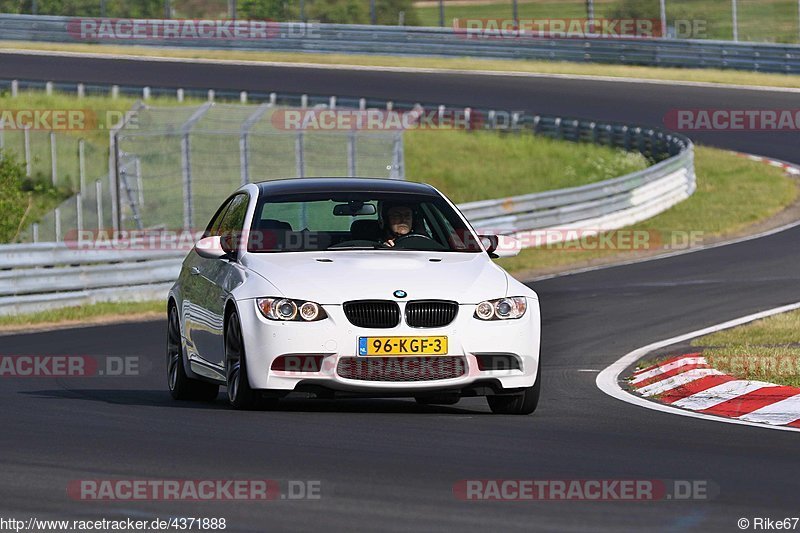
<point x="358" y="221"/>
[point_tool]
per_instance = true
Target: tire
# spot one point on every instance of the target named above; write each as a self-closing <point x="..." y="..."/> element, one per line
<point x="438" y="399"/>
<point x="523" y="403"/>
<point x="181" y="386"/>
<point x="240" y="395"/>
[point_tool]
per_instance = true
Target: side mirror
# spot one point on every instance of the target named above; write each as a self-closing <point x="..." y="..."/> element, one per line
<point x="210" y="248"/>
<point x="500" y="245"/>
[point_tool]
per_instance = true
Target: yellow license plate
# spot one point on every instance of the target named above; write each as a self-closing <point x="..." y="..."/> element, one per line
<point x="384" y="346"/>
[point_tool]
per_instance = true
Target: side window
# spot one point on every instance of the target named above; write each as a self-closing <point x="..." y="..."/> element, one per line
<point x="212" y="230"/>
<point x="234" y="217"/>
<point x="230" y="229"/>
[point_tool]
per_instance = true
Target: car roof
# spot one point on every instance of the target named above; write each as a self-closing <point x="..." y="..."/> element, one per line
<point x="312" y="185"/>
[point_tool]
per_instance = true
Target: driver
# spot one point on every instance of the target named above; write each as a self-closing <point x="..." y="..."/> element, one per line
<point x="398" y="221"/>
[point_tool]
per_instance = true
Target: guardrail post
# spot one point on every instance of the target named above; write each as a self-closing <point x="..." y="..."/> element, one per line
<point x="273" y="99"/>
<point x="14" y="88"/>
<point x="211" y="95"/>
<point x="35" y="232"/>
<point x="28" y="158"/>
<point x="114" y="92"/>
<point x="179" y="95"/>
<point x="304" y="101"/>
<point x="362" y="104"/>
<point x="53" y="159"/>
<point x="243" y="97"/>
<point x="626" y="138"/>
<point x="389" y="105"/>
<point x="48" y="88"/>
<point x="467" y="118"/>
<point x="145" y="93"/>
<point x="492" y="119"/>
<point x="332" y="102"/>
<point x="81" y="90"/>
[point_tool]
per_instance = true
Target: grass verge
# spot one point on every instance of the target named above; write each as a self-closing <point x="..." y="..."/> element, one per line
<point x="732" y="194"/>
<point x="765" y="350"/>
<point x="463" y="64"/>
<point x="98" y="313"/>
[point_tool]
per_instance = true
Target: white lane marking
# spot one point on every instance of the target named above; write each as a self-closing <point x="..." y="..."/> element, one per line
<point x="608" y="379"/>
<point x="676" y="381"/>
<point x="406" y="70"/>
<point x="719" y="394"/>
<point x="777" y="413"/>
<point x="668" y="368"/>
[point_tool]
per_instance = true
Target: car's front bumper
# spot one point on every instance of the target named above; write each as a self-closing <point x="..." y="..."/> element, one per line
<point x="336" y="338"/>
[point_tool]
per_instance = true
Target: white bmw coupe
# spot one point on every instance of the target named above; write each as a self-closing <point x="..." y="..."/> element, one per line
<point x="350" y="286"/>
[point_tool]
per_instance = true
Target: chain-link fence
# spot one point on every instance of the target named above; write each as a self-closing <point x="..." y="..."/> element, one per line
<point x="176" y="164"/>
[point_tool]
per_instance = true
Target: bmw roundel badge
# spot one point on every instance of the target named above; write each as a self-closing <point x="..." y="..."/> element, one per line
<point x="400" y="294"/>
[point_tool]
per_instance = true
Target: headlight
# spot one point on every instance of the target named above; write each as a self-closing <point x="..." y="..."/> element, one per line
<point x="290" y="310"/>
<point x="501" y="309"/>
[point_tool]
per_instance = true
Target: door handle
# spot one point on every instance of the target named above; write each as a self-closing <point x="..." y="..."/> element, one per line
<point x="194" y="271"/>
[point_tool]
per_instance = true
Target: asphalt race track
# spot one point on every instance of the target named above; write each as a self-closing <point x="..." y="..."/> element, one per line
<point x="392" y="464"/>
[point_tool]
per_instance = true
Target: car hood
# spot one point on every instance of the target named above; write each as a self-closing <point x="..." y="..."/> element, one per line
<point x="337" y="277"/>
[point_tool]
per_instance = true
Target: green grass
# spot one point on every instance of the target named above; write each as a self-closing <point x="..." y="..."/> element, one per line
<point x="467" y="64"/>
<point x="764" y="350"/>
<point x="83" y="313"/>
<point x="470" y="166"/>
<point x="732" y="193"/>
<point x="759" y="20"/>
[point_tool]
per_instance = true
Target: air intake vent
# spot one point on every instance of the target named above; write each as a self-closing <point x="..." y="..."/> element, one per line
<point x="372" y="313"/>
<point x="430" y="313"/>
<point x="401" y="368"/>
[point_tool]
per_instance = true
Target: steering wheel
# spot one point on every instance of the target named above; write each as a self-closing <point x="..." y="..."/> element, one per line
<point x="430" y="245"/>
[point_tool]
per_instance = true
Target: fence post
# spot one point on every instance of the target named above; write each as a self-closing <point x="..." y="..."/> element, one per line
<point x="81" y="90"/>
<point x="98" y="189"/>
<point x="27" y="133"/>
<point x="58" y="223"/>
<point x="186" y="164"/>
<point x="48" y="88"/>
<point x="299" y="155"/>
<point x="35" y="231"/>
<point x="186" y="172"/>
<point x="244" y="141"/>
<point x="14" y="88"/>
<point x="243" y="97"/>
<point x="114" y="92"/>
<point x="113" y="162"/>
<point x="179" y="95"/>
<point x="53" y="159"/>
<point x="79" y="212"/>
<point x="351" y="153"/>
<point x="82" y="166"/>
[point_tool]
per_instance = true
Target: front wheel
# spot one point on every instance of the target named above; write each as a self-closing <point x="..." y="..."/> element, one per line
<point x="240" y="394"/>
<point x="181" y="386"/>
<point x="523" y="403"/>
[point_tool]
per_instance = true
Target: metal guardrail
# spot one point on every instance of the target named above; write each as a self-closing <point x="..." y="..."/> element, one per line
<point x="407" y="40"/>
<point x="39" y="276"/>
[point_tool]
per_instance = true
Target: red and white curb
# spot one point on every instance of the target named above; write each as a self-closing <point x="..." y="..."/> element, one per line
<point x="689" y="382"/>
<point x="789" y="168"/>
<point x="748" y="403"/>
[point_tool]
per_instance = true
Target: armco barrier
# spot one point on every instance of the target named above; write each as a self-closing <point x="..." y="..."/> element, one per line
<point x="46" y="275"/>
<point x="406" y="40"/>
